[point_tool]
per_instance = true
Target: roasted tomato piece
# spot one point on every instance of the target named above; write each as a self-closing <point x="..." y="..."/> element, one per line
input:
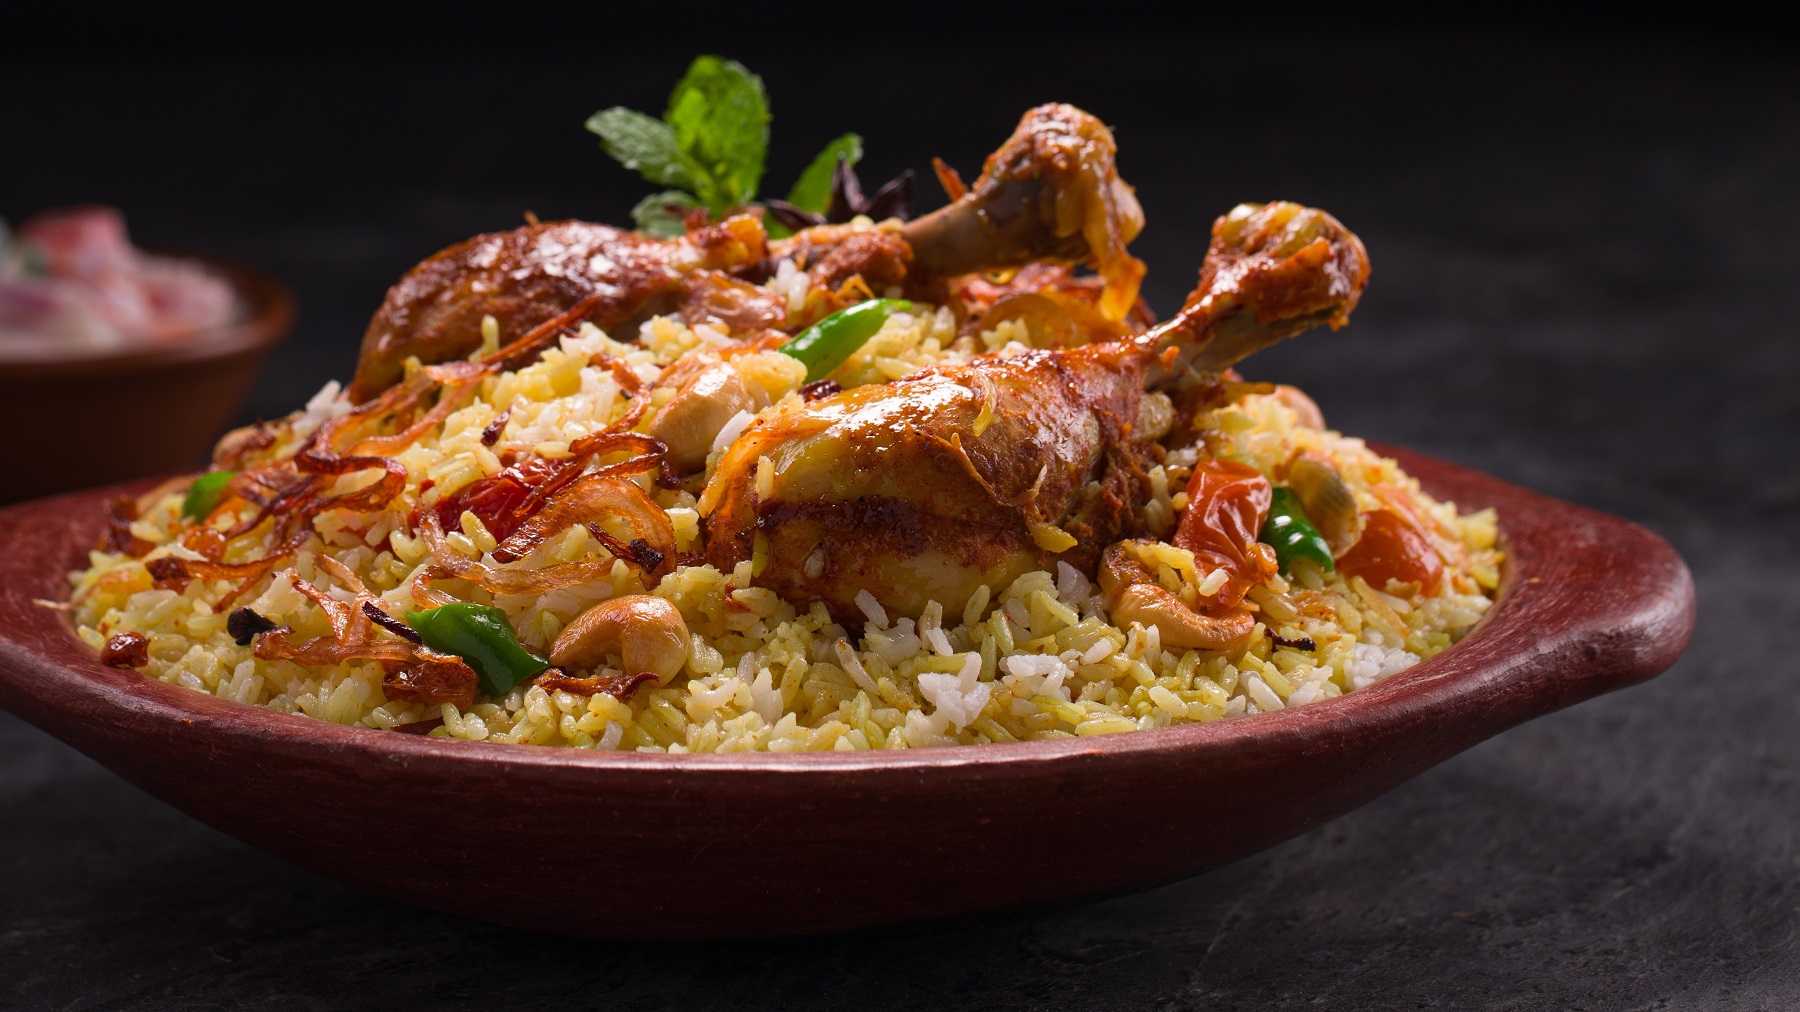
<point x="1227" y="503"/>
<point x="1391" y="548"/>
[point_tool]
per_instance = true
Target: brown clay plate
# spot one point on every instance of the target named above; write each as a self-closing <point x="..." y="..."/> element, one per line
<point x="779" y="844"/>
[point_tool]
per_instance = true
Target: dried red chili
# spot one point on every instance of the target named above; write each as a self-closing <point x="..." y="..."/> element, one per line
<point x="496" y="499"/>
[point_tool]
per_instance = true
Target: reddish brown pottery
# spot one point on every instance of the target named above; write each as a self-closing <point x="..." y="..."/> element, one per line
<point x="778" y="844"/>
<point x="142" y="410"/>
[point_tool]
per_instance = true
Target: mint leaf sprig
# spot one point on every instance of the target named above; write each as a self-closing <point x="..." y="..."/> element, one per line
<point x="709" y="149"/>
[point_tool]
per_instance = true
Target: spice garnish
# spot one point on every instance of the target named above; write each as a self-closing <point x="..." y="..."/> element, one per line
<point x="245" y="625"/>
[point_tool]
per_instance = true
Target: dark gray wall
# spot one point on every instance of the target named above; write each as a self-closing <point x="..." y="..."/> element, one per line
<point x="1587" y="280"/>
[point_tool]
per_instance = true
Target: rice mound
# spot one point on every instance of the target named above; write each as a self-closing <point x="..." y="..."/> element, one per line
<point x="1036" y="659"/>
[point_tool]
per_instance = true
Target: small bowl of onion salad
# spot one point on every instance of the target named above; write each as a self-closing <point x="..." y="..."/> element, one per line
<point x="116" y="362"/>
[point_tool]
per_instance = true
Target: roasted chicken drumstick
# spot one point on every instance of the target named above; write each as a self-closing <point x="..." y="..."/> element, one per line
<point x="929" y="487"/>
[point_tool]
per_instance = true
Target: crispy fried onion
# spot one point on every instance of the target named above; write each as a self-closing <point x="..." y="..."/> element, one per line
<point x="590" y="499"/>
<point x="120" y="513"/>
<point x="291" y="491"/>
<point x="434" y="680"/>
<point x="500" y="581"/>
<point x="575" y="495"/>
<point x="544" y="480"/>
<point x="412" y="672"/>
<point x="616" y="437"/>
<point x="619" y="686"/>
<point x="534" y="484"/>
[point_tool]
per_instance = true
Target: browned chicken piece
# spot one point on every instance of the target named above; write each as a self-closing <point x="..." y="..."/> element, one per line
<point x="929" y="487"/>
<point x="736" y="306"/>
<point x="536" y="273"/>
<point x="1052" y="192"/>
<point x="1051" y="195"/>
<point x="832" y="254"/>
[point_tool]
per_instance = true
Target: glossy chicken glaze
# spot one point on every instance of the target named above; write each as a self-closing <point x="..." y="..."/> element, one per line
<point x="929" y="487"/>
<point x="529" y="275"/>
<point x="1052" y="193"/>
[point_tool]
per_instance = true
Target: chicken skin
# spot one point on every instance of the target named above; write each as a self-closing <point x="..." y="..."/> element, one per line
<point x="929" y="487"/>
<point x="1050" y="194"/>
<point x="529" y="275"/>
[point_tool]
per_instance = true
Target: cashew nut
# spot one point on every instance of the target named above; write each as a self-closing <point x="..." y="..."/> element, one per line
<point x="708" y="399"/>
<point x="646" y="632"/>
<point x="1134" y="595"/>
<point x="1328" y="501"/>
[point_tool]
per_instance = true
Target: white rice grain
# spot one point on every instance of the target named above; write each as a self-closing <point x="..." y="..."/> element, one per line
<point x="959" y="698"/>
<point x="853" y="667"/>
<point x="1214" y="582"/>
<point x="871" y="608"/>
<point x="732" y="430"/>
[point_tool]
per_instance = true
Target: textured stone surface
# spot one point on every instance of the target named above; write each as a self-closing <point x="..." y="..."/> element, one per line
<point x="1585" y="267"/>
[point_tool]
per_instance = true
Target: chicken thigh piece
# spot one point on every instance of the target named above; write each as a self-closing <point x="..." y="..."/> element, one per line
<point x="528" y="275"/>
<point x="929" y="487"/>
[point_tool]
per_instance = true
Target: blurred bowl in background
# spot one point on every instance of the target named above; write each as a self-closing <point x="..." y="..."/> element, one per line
<point x="92" y="418"/>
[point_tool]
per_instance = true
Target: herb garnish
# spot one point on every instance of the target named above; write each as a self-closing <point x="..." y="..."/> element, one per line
<point x="709" y="148"/>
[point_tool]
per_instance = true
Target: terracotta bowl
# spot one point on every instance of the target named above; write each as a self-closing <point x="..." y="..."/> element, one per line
<point x="92" y="419"/>
<point x="777" y="844"/>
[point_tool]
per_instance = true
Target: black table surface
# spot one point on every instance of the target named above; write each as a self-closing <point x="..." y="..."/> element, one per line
<point x="1587" y="281"/>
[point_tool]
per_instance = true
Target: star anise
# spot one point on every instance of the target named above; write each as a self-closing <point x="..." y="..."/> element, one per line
<point x="893" y="200"/>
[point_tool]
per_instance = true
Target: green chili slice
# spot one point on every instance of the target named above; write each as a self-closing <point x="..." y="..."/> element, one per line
<point x="827" y="344"/>
<point x="480" y="635"/>
<point x="204" y="494"/>
<point x="1291" y="534"/>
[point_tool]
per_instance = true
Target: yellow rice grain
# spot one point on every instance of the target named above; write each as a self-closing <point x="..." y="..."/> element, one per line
<point x="768" y="674"/>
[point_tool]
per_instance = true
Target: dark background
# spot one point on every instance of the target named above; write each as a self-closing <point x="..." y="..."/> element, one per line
<point x="1586" y="240"/>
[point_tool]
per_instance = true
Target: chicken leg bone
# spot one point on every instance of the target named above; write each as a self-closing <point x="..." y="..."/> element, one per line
<point x="1051" y="193"/>
<point x="929" y="487"/>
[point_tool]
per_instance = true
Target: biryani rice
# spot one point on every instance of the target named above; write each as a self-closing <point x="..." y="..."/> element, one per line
<point x="1036" y="659"/>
